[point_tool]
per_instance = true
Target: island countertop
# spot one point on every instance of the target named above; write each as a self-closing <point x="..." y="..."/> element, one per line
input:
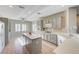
<point x="32" y="36"/>
<point x="35" y="42"/>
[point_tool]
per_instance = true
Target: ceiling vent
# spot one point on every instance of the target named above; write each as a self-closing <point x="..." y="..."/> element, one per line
<point x="21" y="7"/>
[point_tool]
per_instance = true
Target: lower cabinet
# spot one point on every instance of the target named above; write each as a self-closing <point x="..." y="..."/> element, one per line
<point x="35" y="46"/>
<point x="54" y="39"/>
<point x="50" y="38"/>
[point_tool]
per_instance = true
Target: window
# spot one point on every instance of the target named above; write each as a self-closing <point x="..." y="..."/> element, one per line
<point x="23" y="27"/>
<point x="34" y="27"/>
<point x="20" y="27"/>
<point x="17" y="27"/>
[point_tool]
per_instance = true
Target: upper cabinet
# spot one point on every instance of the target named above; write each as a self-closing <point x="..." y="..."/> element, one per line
<point x="37" y="25"/>
<point x="46" y="20"/>
<point x="56" y="21"/>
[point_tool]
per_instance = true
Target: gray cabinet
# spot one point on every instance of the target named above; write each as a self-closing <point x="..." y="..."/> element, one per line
<point x="54" y="39"/>
<point x="58" y="21"/>
<point x="51" y="38"/>
<point x="36" y="45"/>
<point x="48" y="37"/>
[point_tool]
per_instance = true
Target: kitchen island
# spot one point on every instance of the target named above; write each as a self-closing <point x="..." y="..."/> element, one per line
<point x="33" y="43"/>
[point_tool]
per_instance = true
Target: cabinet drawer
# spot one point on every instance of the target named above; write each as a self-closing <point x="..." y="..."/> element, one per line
<point x="54" y="38"/>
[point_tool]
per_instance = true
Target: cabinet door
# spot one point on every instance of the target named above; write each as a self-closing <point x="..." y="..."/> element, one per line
<point x="43" y="36"/>
<point x="58" y="22"/>
<point x="46" y="37"/>
<point x="54" y="38"/>
<point x="55" y="22"/>
<point x="37" y="45"/>
<point x="49" y="37"/>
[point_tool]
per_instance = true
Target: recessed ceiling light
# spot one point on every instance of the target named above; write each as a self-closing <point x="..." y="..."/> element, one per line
<point x="11" y="6"/>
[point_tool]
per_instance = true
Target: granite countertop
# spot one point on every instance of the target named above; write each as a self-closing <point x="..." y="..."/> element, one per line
<point x="32" y="36"/>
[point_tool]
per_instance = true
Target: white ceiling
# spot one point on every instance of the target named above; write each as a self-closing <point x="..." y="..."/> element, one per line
<point x="29" y="12"/>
